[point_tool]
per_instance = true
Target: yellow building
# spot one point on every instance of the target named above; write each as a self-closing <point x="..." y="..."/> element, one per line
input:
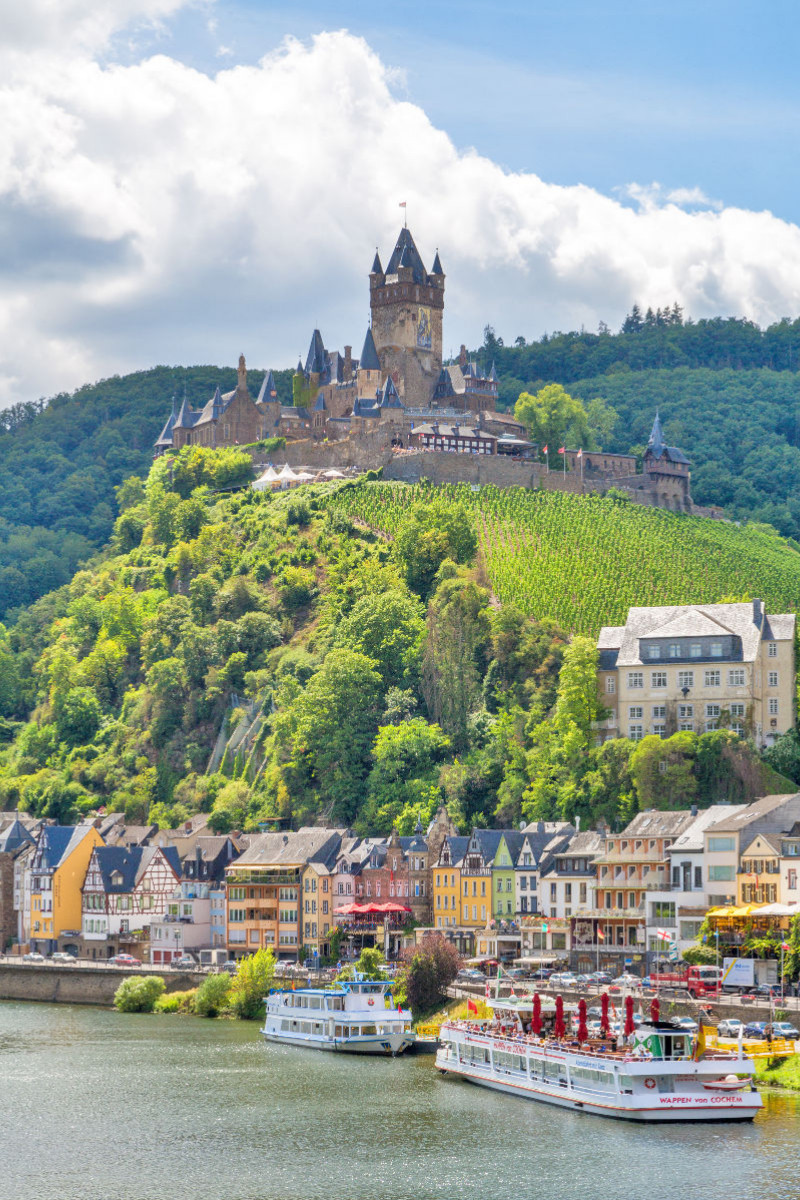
<point x="447" y="882"/>
<point x="758" y="880"/>
<point x="58" y="871"/>
<point x="316" y="908"/>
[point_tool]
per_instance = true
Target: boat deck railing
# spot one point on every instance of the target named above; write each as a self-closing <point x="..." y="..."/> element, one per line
<point x="602" y="1049"/>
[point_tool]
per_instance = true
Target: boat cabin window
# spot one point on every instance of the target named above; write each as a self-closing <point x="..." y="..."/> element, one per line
<point x="626" y="1084"/>
<point x="368" y="1030"/>
<point x="340" y="1031"/>
<point x="336" y="1003"/>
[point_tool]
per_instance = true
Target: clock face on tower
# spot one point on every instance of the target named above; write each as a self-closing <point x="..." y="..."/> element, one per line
<point x="424" y="329"/>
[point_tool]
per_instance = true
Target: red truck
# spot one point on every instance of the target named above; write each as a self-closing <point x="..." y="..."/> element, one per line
<point x="698" y="981"/>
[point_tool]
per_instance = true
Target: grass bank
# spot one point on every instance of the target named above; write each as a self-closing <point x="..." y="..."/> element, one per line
<point x="780" y="1072"/>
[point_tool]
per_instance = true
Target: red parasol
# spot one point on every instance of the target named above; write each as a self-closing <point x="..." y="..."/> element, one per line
<point x="655" y="1011"/>
<point x="559" y="1028"/>
<point x="604" y="1026"/>
<point x="583" y="1032"/>
<point x="630" y="1027"/>
<point x="536" y="1019"/>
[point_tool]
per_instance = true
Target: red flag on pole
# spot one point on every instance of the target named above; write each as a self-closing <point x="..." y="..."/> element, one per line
<point x="562" y="449"/>
<point x="472" y="1007"/>
<point x="544" y="449"/>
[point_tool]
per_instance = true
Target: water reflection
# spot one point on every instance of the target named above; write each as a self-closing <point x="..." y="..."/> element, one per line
<point x="101" y="1106"/>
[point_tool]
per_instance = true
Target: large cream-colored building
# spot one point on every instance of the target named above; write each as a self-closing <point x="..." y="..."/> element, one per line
<point x="699" y="667"/>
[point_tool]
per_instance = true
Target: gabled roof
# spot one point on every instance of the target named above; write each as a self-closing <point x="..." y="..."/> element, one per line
<point x="268" y="391"/>
<point x="773" y="841"/>
<point x="458" y="846"/>
<point x="406" y="247"/>
<point x="275" y="849"/>
<point x="56" y="843"/>
<point x="654" y="822"/>
<point x="691" y="622"/>
<point x="14" y="836"/>
<point x="369" y="360"/>
<point x="764" y="807"/>
<point x="746" y="621"/>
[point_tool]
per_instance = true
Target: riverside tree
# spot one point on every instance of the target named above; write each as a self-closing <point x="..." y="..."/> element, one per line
<point x="250" y="984"/>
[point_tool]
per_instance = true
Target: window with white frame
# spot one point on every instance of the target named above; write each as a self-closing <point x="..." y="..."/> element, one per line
<point x="674" y="650"/>
<point x="712" y="711"/>
<point x="712" y="678"/>
<point x="696" y="650"/>
<point x="659" y="729"/>
<point x="772" y="650"/>
<point x="635" y="679"/>
<point x="659" y="712"/>
<point x="737" y="710"/>
<point x="773" y="708"/>
<point x="716" y="649"/>
<point x="654" y="652"/>
<point x="738" y="728"/>
<point x="635" y="712"/>
<point x="685" y="710"/>
<point x="686" y="726"/>
<point x="772" y="679"/>
<point x="685" y="679"/>
<point x="611" y="684"/>
<point x="736" y="677"/>
<point x="635" y="733"/>
<point x="658" y="679"/>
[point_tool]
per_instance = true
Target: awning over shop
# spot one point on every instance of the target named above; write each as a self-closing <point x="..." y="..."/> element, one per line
<point x="364" y="910"/>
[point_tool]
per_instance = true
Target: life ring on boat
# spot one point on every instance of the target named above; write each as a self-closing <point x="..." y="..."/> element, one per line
<point x="370" y="1003"/>
<point x="649" y="1082"/>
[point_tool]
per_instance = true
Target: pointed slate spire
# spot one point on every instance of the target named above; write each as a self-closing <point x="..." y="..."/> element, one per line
<point x="493" y="374"/>
<point x="216" y="404"/>
<point x="268" y="389"/>
<point x="316" y="355"/>
<point x="369" y="360"/>
<point x="656" y="440"/>
<point x="406" y="247"/>
<point x="389" y="396"/>
<point x="165" y="437"/>
<point x="185" y="415"/>
<point x="376" y="268"/>
<point x="437" y="265"/>
<point x="319" y="403"/>
<point x="299" y="370"/>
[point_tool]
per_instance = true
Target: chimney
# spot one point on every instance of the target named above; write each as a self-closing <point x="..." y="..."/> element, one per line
<point x="348" y="362"/>
<point x="758" y="614"/>
<point x="578" y="823"/>
<point x="693" y="810"/>
<point x="462" y="357"/>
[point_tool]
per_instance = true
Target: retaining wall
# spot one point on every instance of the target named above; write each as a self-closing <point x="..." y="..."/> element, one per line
<point x="81" y="985"/>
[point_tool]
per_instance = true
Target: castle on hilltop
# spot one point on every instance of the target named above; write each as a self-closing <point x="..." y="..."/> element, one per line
<point x="399" y="407"/>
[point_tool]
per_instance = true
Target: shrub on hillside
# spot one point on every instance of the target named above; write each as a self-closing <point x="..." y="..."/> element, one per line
<point x="138" y="993"/>
<point x="251" y="983"/>
<point x="212" y="996"/>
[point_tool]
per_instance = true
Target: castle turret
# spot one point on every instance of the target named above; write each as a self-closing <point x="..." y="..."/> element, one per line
<point x="407" y="305"/>
<point x="668" y="470"/>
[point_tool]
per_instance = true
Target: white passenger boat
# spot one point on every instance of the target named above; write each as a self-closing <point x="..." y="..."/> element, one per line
<point x="356" y="1015"/>
<point x="656" y="1074"/>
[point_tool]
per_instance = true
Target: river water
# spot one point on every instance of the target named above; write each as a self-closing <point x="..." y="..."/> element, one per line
<point x="97" y="1105"/>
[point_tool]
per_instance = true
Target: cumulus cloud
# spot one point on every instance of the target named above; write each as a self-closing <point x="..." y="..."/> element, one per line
<point x="151" y="213"/>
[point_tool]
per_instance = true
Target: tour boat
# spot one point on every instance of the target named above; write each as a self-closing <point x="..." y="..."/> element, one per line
<point x="655" y="1073"/>
<point x="355" y="1015"/>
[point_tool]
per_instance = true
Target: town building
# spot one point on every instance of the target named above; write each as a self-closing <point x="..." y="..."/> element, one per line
<point x="447" y="882"/>
<point x="124" y="892"/>
<point x="192" y="916"/>
<point x="697" y="880"/>
<point x="698" y="668"/>
<point x="569" y="875"/>
<point x="264" y="890"/>
<point x="58" y="870"/>
<point x="15" y="840"/>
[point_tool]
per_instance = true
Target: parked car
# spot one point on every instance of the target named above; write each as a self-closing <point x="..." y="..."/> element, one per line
<point x="516" y="973"/>
<point x="685" y="1024"/>
<point x="184" y="963"/>
<point x="61" y="956"/>
<point x="755" y="1029"/>
<point x="542" y="973"/>
<point x="602" y="976"/>
<point x="125" y="960"/>
<point x="231" y="966"/>
<point x="730" y="1027"/>
<point x="563" y="979"/>
<point x="471" y="975"/>
<point x="626" y="979"/>
<point x="785" y="1029"/>
<point x="33" y="956"/>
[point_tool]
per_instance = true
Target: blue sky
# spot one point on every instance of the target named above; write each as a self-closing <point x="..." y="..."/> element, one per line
<point x="699" y="94"/>
<point x="182" y="181"/>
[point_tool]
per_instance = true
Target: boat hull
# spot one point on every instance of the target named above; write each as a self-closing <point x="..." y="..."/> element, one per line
<point x="382" y="1044"/>
<point x="670" y="1114"/>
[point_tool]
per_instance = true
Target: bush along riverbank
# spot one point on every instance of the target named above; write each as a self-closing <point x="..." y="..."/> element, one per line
<point x="240" y="996"/>
<point x="780" y="1072"/>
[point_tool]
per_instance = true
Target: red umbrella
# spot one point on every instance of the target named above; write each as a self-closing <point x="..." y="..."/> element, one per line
<point x="536" y="1019"/>
<point x="630" y="1027"/>
<point x="604" y="1026"/>
<point x="560" y="1028"/>
<point x="583" y="1032"/>
<point x="655" y="1011"/>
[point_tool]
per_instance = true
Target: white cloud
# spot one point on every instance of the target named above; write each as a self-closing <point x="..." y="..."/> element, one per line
<point x="150" y="213"/>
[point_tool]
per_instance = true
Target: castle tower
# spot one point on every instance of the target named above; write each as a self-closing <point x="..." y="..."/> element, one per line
<point x="667" y="469"/>
<point x="407" y="305"/>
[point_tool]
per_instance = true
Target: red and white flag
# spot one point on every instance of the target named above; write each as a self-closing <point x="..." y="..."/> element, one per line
<point x="785" y="946"/>
<point x="580" y="453"/>
<point x="544" y="449"/>
<point x="562" y="450"/>
<point x="664" y="935"/>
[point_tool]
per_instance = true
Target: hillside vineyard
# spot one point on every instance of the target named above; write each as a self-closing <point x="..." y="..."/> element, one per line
<point x="584" y="561"/>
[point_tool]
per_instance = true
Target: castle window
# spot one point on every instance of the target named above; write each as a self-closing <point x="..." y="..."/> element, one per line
<point x="772" y="650"/>
<point x="736" y="678"/>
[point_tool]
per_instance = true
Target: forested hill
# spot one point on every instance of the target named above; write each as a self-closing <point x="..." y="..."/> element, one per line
<point x="728" y="393"/>
<point x="61" y="459"/>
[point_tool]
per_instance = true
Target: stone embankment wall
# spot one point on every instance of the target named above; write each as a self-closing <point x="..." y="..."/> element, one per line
<point x="80" y="985"/>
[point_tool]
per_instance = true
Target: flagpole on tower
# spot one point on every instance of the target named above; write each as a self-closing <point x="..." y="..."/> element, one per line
<point x="405" y="214"/>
